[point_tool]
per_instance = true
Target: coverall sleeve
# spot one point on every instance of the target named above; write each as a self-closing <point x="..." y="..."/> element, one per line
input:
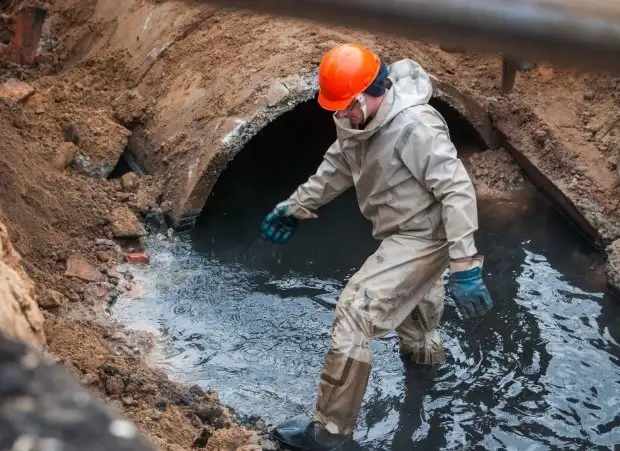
<point x="332" y="178"/>
<point x="431" y="157"/>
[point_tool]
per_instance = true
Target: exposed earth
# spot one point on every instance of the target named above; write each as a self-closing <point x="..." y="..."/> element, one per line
<point x="106" y="76"/>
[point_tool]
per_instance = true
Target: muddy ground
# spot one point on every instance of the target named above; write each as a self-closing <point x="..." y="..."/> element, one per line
<point x="93" y="88"/>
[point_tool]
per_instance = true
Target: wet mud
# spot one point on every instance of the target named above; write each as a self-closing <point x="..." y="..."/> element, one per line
<point x="252" y="319"/>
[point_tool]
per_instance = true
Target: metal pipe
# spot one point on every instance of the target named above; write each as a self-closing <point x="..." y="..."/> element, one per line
<point x="584" y="34"/>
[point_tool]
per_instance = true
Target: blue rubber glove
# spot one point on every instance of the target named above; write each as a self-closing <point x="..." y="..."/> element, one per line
<point x="279" y="225"/>
<point x="470" y="293"/>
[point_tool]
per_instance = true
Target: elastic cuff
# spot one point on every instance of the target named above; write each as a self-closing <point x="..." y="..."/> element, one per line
<point x="296" y="210"/>
<point x="467" y="263"/>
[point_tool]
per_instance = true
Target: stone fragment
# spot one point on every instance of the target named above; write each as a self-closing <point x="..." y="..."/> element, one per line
<point x="125" y="224"/>
<point x="15" y="90"/>
<point x="52" y="299"/>
<point x="78" y="266"/>
<point x="97" y="293"/>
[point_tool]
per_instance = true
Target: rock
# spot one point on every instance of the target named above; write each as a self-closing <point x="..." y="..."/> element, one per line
<point x="52" y="299"/>
<point x="15" y="90"/>
<point x="270" y="445"/>
<point x="97" y="293"/>
<point x="541" y="135"/>
<point x="261" y="426"/>
<point x="137" y="258"/>
<point x="78" y="266"/>
<point x="203" y="439"/>
<point x="112" y="272"/>
<point x="588" y="95"/>
<point x="84" y="164"/>
<point x="208" y="413"/>
<point x="612" y="266"/>
<point x="125" y="224"/>
<point x="156" y="415"/>
<point x="128" y="401"/>
<point x="20" y="316"/>
<point x="130" y="182"/>
<point x="65" y="153"/>
<point x="129" y="107"/>
<point x="104" y="256"/>
<point x="70" y="134"/>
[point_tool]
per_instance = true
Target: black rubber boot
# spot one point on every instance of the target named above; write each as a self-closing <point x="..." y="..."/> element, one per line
<point x="299" y="433"/>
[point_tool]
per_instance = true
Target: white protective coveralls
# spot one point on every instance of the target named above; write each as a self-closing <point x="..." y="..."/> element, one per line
<point x="421" y="202"/>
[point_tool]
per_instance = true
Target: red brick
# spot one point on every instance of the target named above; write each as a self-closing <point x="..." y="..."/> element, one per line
<point x="137" y="258"/>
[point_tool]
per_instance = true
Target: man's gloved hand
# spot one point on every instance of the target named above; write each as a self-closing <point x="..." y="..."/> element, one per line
<point x="470" y="293"/>
<point x="279" y="225"/>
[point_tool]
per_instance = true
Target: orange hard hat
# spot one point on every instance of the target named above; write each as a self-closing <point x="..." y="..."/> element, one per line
<point x="346" y="71"/>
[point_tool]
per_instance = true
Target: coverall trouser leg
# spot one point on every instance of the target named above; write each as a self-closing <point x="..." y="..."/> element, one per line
<point x="380" y="297"/>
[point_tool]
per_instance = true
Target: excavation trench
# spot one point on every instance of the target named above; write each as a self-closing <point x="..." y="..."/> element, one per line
<point x="252" y="320"/>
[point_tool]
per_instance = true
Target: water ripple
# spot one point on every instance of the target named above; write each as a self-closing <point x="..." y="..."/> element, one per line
<point x="542" y="372"/>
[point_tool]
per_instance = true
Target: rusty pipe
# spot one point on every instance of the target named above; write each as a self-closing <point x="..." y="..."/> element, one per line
<point x="583" y="34"/>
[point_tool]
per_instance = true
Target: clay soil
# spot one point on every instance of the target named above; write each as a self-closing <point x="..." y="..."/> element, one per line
<point x="86" y="94"/>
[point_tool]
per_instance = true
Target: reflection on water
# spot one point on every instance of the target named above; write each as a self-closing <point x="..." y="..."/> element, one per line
<point x="542" y="371"/>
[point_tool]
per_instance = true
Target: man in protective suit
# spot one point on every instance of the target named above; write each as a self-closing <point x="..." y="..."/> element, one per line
<point x="395" y="149"/>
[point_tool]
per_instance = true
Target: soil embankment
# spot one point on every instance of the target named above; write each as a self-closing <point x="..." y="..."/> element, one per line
<point x="180" y="91"/>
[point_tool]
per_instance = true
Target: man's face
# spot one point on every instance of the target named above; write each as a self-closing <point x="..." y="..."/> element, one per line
<point x="353" y="112"/>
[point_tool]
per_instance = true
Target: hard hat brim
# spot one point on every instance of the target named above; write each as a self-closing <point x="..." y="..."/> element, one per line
<point x="331" y="105"/>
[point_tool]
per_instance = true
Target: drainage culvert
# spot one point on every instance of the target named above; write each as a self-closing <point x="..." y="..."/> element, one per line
<point x="252" y="320"/>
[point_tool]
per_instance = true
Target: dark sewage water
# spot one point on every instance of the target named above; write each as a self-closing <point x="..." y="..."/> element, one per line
<point x="252" y="319"/>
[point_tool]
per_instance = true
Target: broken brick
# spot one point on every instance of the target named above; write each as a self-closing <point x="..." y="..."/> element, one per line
<point x="137" y="258"/>
<point x="27" y="32"/>
<point x="15" y="90"/>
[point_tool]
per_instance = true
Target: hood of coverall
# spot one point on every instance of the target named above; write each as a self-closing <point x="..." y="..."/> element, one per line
<point x="411" y="86"/>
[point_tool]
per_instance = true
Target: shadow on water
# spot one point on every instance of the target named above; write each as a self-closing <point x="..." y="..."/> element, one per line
<point x="252" y="320"/>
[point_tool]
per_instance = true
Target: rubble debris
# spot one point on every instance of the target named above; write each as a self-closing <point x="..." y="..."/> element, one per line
<point x="52" y="299"/>
<point x="97" y="293"/>
<point x="65" y="153"/>
<point x="78" y="266"/>
<point x="125" y="224"/>
<point x="102" y="142"/>
<point x="105" y="242"/>
<point x="137" y="258"/>
<point x="15" y="90"/>
<point x="495" y="171"/>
